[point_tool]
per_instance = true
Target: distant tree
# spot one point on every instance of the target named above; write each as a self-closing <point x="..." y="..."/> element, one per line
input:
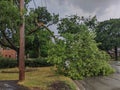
<point x="108" y="33"/>
<point x="91" y="22"/>
<point x="71" y="24"/>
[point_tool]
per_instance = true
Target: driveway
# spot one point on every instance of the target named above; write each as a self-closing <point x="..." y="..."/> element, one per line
<point x="111" y="82"/>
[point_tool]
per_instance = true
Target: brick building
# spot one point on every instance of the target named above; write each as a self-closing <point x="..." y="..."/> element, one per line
<point x="8" y="53"/>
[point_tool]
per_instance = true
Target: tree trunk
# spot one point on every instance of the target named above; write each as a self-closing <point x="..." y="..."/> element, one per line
<point x="39" y="54"/>
<point x="116" y="52"/>
<point x="17" y="58"/>
<point x="22" y="44"/>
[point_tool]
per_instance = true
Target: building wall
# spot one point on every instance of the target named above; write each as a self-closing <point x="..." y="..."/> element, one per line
<point x="8" y="53"/>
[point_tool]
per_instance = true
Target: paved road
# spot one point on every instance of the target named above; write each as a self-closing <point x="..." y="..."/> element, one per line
<point x="11" y="85"/>
<point x="111" y="82"/>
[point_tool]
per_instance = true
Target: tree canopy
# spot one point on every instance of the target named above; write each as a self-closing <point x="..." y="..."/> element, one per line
<point x="108" y="33"/>
<point x="36" y="20"/>
<point x="36" y="34"/>
<point x="71" y="24"/>
<point x="10" y="21"/>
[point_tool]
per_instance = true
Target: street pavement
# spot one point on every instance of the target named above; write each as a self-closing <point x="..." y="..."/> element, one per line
<point x="111" y="82"/>
<point x="11" y="85"/>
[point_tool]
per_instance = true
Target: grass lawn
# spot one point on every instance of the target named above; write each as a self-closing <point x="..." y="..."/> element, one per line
<point x="41" y="77"/>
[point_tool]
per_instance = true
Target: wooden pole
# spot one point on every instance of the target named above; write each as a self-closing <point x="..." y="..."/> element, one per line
<point x="22" y="44"/>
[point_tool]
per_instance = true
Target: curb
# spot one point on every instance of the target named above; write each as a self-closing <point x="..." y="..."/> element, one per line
<point x="79" y="85"/>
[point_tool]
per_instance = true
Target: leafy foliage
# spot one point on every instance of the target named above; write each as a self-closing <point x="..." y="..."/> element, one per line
<point x="108" y="33"/>
<point x="77" y="56"/>
<point x="36" y="62"/>
<point x="40" y="15"/>
<point x="45" y="17"/>
<point x="38" y="42"/>
<point x="7" y="63"/>
<point x="9" y="22"/>
<point x="71" y="24"/>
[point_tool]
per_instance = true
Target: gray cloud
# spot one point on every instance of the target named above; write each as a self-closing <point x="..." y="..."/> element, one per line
<point x="104" y="9"/>
<point x="90" y="5"/>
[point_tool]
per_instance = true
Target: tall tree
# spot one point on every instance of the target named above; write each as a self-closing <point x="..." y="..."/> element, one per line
<point x="22" y="43"/>
<point x="38" y="35"/>
<point x="10" y="20"/>
<point x="12" y="17"/>
<point x="108" y="33"/>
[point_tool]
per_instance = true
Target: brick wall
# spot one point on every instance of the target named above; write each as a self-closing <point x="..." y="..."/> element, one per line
<point x="8" y="53"/>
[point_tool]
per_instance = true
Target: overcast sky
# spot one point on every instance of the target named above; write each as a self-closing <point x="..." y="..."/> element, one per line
<point x="103" y="9"/>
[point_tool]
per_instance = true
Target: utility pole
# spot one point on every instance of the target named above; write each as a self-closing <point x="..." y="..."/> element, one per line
<point x="22" y="44"/>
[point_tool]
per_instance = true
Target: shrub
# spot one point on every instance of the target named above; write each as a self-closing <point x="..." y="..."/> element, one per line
<point x="38" y="62"/>
<point x="11" y="63"/>
<point x="7" y="63"/>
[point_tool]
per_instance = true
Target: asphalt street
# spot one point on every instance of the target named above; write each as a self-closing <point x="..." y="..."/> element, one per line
<point x="111" y="82"/>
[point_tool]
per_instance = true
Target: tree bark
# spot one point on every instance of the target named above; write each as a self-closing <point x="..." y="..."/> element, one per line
<point x="17" y="58"/>
<point x="39" y="54"/>
<point x="22" y="44"/>
<point x="116" y="52"/>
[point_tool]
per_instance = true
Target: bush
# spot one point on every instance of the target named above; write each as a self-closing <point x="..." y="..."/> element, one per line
<point x="38" y="62"/>
<point x="11" y="63"/>
<point x="7" y="63"/>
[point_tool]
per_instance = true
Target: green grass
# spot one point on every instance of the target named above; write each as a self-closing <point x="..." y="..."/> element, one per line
<point x="41" y="77"/>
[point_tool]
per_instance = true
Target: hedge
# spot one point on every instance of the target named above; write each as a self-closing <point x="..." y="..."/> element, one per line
<point x="11" y="63"/>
